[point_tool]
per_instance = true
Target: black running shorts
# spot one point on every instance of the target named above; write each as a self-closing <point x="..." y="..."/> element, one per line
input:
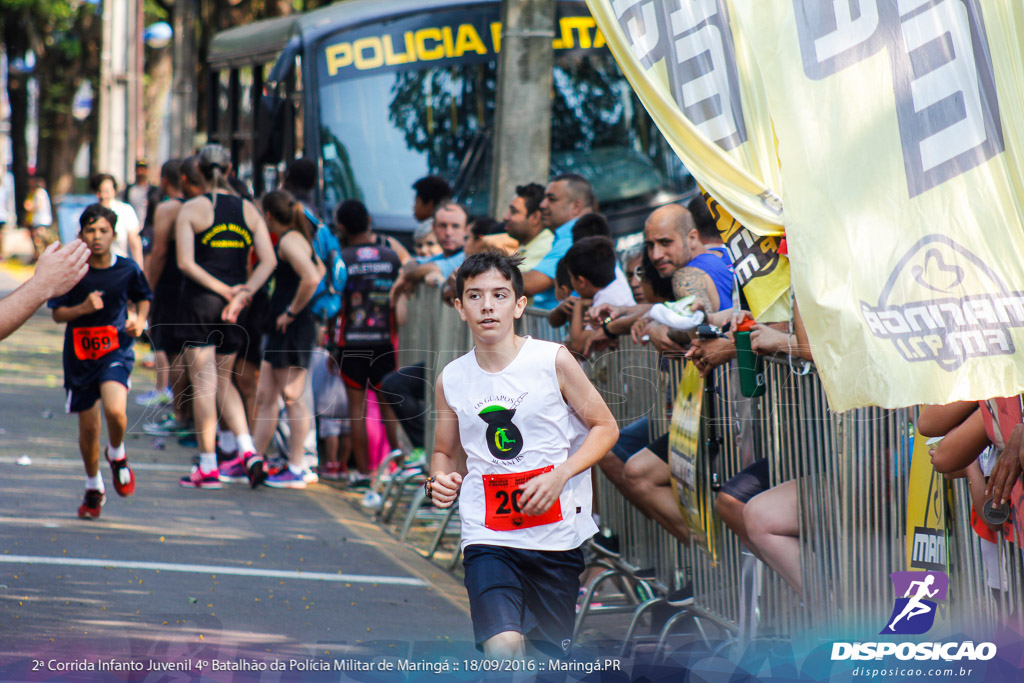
<point x="532" y="592"/>
<point x="202" y="324"/>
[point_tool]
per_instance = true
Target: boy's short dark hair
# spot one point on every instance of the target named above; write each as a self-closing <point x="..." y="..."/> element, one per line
<point x="432" y="188"/>
<point x="702" y="218"/>
<point x="300" y="175"/>
<point x="533" y="195"/>
<point x="97" y="180"/>
<point x="353" y="217"/>
<point x="562" y="274"/>
<point x="490" y="259"/>
<point x="93" y="213"/>
<point x="171" y="172"/>
<point x="594" y="259"/>
<point x="591" y="225"/>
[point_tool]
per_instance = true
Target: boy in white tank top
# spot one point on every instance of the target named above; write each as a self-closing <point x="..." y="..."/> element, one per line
<point x="509" y="414"/>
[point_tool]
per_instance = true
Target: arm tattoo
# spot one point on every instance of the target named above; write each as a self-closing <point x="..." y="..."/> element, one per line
<point x="693" y="281"/>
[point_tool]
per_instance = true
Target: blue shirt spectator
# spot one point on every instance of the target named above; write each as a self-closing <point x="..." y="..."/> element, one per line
<point x="548" y="264"/>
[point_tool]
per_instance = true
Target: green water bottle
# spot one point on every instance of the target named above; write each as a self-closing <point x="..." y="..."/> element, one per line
<point x="750" y="364"/>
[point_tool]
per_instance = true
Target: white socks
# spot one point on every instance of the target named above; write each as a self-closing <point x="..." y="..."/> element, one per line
<point x="116" y="453"/>
<point x="207" y="461"/>
<point x="95" y="482"/>
<point x="226" y="440"/>
<point x="245" y="444"/>
<point x="297" y="471"/>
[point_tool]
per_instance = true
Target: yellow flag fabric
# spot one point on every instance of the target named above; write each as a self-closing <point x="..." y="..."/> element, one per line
<point x="899" y="137"/>
<point x="702" y="88"/>
<point x="691" y="480"/>
<point x="760" y="270"/>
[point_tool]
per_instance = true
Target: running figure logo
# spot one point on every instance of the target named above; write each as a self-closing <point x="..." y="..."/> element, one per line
<point x="504" y="440"/>
<point x="914" y="612"/>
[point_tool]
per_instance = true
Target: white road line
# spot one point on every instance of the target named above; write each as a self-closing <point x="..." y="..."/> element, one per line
<point x="212" y="569"/>
<point x="77" y="463"/>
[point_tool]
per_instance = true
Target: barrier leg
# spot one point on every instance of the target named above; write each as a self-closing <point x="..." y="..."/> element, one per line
<point x="441" y="531"/>
<point x="414" y="508"/>
<point x="635" y="622"/>
<point x="588" y="598"/>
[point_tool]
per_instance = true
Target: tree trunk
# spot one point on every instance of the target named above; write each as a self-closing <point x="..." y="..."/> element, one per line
<point x="17" y="94"/>
<point x="16" y="43"/>
<point x="160" y="76"/>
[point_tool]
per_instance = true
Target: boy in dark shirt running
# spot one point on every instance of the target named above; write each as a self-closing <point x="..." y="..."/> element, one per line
<point x="98" y="356"/>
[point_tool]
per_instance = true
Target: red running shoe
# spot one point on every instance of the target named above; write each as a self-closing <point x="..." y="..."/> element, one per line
<point x="91" y="504"/>
<point x="198" y="479"/>
<point x="124" y="478"/>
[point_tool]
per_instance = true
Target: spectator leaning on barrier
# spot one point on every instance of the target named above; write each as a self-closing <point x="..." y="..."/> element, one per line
<point x="566" y="198"/>
<point x="425" y="242"/>
<point x="592" y="267"/>
<point x="764" y="518"/>
<point x="642" y="473"/>
<point x="974" y="436"/>
<point x="707" y="229"/>
<point x="450" y="228"/>
<point x="523" y="222"/>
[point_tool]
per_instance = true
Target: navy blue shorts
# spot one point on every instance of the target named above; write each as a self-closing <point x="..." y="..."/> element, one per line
<point x="633" y="438"/>
<point x="748" y="482"/>
<point x="80" y="399"/>
<point x="532" y="592"/>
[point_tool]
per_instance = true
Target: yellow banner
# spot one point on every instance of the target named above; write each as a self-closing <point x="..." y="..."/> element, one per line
<point x="703" y="90"/>
<point x="760" y="270"/>
<point x="691" y="480"/>
<point x="926" y="512"/>
<point x="899" y="131"/>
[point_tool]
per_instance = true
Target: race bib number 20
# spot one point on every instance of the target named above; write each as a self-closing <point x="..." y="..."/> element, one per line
<point x="94" y="342"/>
<point x="504" y="511"/>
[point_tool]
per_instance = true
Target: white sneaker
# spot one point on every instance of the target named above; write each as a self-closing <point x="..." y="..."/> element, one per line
<point x="309" y="476"/>
<point x="154" y="398"/>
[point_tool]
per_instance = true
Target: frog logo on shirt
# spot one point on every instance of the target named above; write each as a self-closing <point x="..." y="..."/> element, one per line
<point x="504" y="440"/>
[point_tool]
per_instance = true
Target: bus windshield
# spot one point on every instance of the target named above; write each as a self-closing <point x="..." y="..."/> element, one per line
<point x="381" y="131"/>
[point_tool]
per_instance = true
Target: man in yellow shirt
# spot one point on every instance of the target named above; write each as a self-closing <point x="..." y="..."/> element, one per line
<point x="523" y="222"/>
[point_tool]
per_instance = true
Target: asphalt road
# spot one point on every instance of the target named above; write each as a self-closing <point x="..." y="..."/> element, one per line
<point x="188" y="577"/>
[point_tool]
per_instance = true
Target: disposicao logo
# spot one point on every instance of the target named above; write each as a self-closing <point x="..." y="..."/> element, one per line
<point x="913" y="613"/>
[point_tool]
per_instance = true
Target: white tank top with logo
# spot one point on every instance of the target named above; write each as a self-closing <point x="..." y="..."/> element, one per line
<point x="513" y="425"/>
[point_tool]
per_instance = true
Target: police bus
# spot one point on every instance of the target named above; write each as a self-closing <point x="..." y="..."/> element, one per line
<point x="383" y="92"/>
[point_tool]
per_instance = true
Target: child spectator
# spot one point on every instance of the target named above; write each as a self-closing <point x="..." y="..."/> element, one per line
<point x="98" y="356"/>
<point x="425" y="242"/>
<point x="591" y="264"/>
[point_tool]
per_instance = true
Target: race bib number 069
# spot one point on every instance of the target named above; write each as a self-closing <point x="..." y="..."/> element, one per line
<point x="504" y="510"/>
<point x="94" y="342"/>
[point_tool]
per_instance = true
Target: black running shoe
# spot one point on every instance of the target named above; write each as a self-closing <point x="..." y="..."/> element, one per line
<point x="256" y="468"/>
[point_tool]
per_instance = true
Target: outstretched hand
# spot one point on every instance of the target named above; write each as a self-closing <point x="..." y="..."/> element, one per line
<point x="61" y="267"/>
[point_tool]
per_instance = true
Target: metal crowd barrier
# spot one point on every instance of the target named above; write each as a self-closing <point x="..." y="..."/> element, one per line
<point x="852" y="472"/>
